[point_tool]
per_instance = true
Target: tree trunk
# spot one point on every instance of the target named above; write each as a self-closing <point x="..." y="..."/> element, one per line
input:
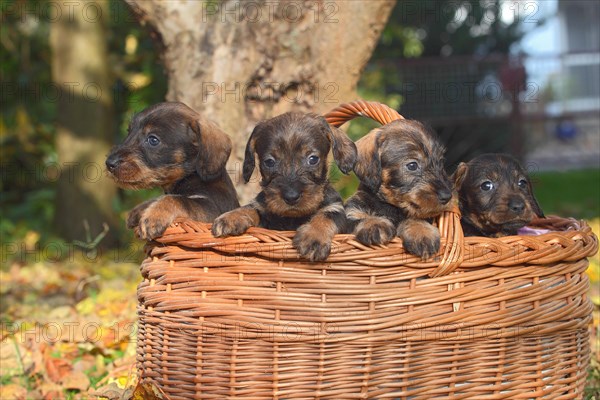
<point x="240" y="62"/>
<point x="85" y="122"/>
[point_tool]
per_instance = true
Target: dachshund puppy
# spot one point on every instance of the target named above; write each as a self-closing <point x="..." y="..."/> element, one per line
<point x="495" y="196"/>
<point x="403" y="184"/>
<point x="292" y="150"/>
<point x="171" y="146"/>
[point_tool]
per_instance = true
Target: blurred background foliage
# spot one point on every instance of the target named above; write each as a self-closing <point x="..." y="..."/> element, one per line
<point x="412" y="32"/>
<point x="29" y="111"/>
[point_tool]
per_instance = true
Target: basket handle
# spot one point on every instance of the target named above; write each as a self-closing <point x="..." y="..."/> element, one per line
<point x="361" y="108"/>
<point x="449" y="221"/>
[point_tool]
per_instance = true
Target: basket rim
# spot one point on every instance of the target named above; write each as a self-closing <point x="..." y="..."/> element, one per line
<point x="575" y="240"/>
<point x="571" y="224"/>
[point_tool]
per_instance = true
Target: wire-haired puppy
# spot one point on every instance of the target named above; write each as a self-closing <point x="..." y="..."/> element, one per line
<point x="171" y="146"/>
<point x="495" y="196"/>
<point x="402" y="185"/>
<point x="292" y="151"/>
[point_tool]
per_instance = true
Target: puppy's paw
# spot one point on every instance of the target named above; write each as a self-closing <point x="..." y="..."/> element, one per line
<point x="154" y="220"/>
<point x="374" y="230"/>
<point x="311" y="243"/>
<point x="134" y="216"/>
<point x="233" y="223"/>
<point x="419" y="237"/>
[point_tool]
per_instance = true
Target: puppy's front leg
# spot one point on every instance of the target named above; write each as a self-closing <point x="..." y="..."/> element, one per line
<point x="236" y="222"/>
<point x="419" y="237"/>
<point x="313" y="239"/>
<point x="152" y="218"/>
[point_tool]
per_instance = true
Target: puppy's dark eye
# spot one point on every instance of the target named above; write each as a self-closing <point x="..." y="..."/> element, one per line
<point x="153" y="140"/>
<point x="313" y="160"/>
<point x="487" y="185"/>
<point x="522" y="183"/>
<point x="412" y="166"/>
<point x="269" y="163"/>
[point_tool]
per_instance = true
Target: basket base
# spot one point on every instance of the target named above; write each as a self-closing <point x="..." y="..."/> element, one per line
<point x="243" y="361"/>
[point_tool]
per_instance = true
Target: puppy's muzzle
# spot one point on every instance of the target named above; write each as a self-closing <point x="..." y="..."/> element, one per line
<point x="443" y="192"/>
<point x="516" y="205"/>
<point x="112" y="162"/>
<point x="291" y="194"/>
<point x="444" y="196"/>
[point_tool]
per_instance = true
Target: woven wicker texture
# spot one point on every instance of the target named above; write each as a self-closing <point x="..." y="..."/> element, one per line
<point x="245" y="317"/>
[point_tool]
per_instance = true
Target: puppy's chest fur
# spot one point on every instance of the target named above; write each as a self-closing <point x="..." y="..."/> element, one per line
<point x="275" y="222"/>
<point x="217" y="196"/>
<point x="471" y="230"/>
<point x="367" y="201"/>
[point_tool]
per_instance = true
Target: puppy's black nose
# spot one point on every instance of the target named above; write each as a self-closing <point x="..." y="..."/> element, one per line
<point x="516" y="205"/>
<point x="291" y="195"/>
<point x="112" y="162"/>
<point x="444" y="196"/>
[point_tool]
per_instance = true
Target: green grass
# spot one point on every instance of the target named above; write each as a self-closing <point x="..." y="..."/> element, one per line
<point x="592" y="389"/>
<point x="568" y="194"/>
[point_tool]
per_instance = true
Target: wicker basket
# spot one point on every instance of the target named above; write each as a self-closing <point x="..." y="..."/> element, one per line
<point x="244" y="317"/>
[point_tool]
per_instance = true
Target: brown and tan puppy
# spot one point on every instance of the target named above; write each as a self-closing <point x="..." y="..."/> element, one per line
<point x="403" y="185"/>
<point x="292" y="151"/>
<point x="495" y="196"/>
<point x="171" y="146"/>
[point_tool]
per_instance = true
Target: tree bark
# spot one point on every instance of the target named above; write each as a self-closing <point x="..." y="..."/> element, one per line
<point x="241" y="62"/>
<point x="85" y="122"/>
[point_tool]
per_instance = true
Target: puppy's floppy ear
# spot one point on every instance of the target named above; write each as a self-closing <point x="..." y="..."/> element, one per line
<point x="535" y="206"/>
<point x="214" y="149"/>
<point x="343" y="148"/>
<point x="368" y="164"/>
<point x="458" y="177"/>
<point x="249" y="159"/>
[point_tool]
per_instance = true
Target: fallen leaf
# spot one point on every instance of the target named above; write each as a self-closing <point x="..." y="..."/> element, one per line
<point x="76" y="380"/>
<point x="57" y="368"/>
<point x="112" y="392"/>
<point x="53" y="395"/>
<point x="86" y="306"/>
<point x="13" y="391"/>
<point x="147" y="391"/>
<point x="47" y="390"/>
